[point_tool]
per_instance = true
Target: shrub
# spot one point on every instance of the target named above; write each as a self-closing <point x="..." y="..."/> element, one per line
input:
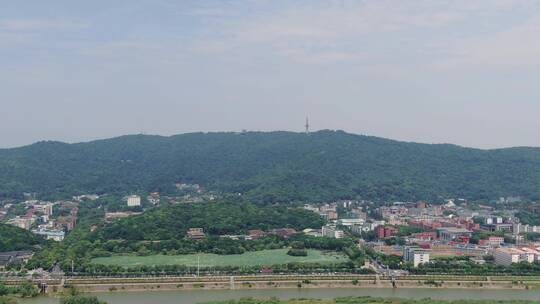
<point x="297" y="252"/>
<point x="81" y="300"/>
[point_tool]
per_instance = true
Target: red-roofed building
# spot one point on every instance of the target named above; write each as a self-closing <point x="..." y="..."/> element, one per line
<point x="386" y="232"/>
<point x="256" y="234"/>
<point x="283" y="232"/>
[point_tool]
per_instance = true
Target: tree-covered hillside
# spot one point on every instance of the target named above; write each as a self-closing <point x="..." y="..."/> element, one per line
<point x="225" y="217"/>
<point x="162" y="230"/>
<point x="276" y="166"/>
<point x="14" y="238"/>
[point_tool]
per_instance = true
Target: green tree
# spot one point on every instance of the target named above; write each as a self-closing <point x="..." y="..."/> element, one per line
<point x="81" y="300"/>
<point x="27" y="290"/>
<point x="6" y="300"/>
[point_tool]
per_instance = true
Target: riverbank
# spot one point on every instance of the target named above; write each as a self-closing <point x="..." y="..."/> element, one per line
<point x="271" y="282"/>
<point x="292" y="282"/>
<point x="295" y="284"/>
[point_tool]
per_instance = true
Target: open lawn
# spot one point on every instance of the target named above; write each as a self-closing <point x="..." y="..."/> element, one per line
<point x="255" y="258"/>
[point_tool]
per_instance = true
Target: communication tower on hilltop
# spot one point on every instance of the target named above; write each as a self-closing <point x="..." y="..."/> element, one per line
<point x="307" y="125"/>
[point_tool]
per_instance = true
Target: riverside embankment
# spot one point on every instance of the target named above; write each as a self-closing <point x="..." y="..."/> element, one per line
<point x="286" y="282"/>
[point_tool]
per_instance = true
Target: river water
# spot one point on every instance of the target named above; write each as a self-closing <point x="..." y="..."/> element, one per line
<point x="201" y="296"/>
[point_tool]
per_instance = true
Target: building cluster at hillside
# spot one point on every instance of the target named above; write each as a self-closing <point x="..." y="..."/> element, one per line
<point x="419" y="232"/>
<point x="49" y="219"/>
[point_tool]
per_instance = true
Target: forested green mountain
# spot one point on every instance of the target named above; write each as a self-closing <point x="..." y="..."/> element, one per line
<point x="14" y="238"/>
<point x="275" y="166"/>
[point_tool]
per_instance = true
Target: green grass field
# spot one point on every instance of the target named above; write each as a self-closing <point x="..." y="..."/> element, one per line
<point x="256" y="258"/>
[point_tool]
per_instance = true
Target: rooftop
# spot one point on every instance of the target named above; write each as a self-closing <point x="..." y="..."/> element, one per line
<point x="454" y="230"/>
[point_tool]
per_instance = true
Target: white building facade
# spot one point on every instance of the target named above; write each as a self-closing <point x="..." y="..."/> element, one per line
<point x="133" y="201"/>
<point x="332" y="232"/>
<point x="509" y="256"/>
<point x="415" y="255"/>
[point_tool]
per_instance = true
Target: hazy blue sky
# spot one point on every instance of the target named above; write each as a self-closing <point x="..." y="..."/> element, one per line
<point x="464" y="72"/>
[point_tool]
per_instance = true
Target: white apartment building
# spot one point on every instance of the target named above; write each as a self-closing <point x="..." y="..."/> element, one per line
<point x="133" y="201"/>
<point x="520" y="228"/>
<point x="350" y="222"/>
<point x="21" y="222"/>
<point x="366" y="227"/>
<point x="46" y="209"/>
<point x="508" y="256"/>
<point x="415" y="255"/>
<point x="55" y="235"/>
<point x="332" y="231"/>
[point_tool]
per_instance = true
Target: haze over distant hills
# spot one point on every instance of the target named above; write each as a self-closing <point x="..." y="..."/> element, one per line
<point x="271" y="167"/>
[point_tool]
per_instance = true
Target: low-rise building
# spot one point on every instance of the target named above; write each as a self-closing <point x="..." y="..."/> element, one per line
<point x="133" y="201"/>
<point x="332" y="232"/>
<point x="505" y="227"/>
<point x="13" y="257"/>
<point x="495" y="241"/>
<point x="386" y="232"/>
<point x="452" y="233"/>
<point x="520" y="228"/>
<point x="330" y="215"/>
<point x="195" y="234"/>
<point x="312" y="232"/>
<point x="111" y="216"/>
<point x="256" y="234"/>
<point x="393" y="211"/>
<point x="21" y="222"/>
<point x="358" y="213"/>
<point x="423" y="236"/>
<point x="54" y="235"/>
<point x="90" y="197"/>
<point x="283" y="232"/>
<point x="381" y="247"/>
<point x="235" y="237"/>
<point x="415" y="255"/>
<point x="508" y="256"/>
<point x="44" y="208"/>
<point x="350" y="222"/>
<point x="425" y="224"/>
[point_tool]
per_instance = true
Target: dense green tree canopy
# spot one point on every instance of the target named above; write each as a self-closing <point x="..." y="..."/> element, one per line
<point x="269" y="167"/>
<point x="14" y="238"/>
<point x="163" y="230"/>
<point x="81" y="300"/>
<point x="219" y="218"/>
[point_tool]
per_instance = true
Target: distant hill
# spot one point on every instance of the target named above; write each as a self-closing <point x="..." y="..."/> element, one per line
<point x="275" y="166"/>
<point x="13" y="238"/>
